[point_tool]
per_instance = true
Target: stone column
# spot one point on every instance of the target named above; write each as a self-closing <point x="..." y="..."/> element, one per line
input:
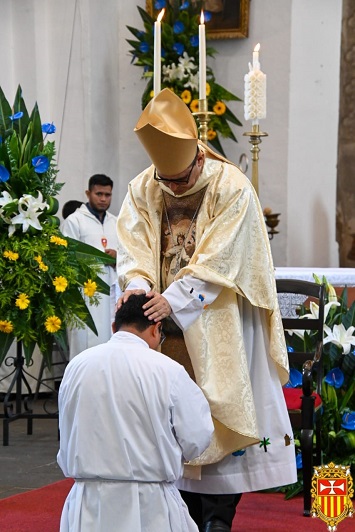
<point x="345" y="217"/>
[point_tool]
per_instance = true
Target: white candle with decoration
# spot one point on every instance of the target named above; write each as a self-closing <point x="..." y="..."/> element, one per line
<point x="157" y="54"/>
<point x="255" y="91"/>
<point x="202" y="58"/>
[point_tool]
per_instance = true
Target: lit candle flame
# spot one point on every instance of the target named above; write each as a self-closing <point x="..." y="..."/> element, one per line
<point x="202" y="17"/>
<point x="161" y="14"/>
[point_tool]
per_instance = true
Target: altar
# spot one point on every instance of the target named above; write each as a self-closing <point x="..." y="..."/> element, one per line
<point x="335" y="276"/>
<point x="338" y="277"/>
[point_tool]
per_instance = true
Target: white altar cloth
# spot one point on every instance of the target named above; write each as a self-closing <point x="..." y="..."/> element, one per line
<point x="335" y="276"/>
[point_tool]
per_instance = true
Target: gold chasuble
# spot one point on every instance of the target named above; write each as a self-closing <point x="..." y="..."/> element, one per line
<point x="225" y="244"/>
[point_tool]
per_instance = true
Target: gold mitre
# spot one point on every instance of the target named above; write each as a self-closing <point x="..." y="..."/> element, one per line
<point x="168" y="132"/>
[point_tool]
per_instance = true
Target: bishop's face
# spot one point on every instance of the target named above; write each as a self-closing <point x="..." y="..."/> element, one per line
<point x="184" y="181"/>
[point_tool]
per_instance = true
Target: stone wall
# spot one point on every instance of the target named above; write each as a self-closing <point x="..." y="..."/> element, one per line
<point x="345" y="213"/>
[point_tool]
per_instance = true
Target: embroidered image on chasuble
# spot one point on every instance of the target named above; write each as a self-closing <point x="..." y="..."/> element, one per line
<point x="178" y="233"/>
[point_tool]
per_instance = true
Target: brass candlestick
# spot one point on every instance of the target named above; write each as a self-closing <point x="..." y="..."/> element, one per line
<point x="203" y="116"/>
<point x="272" y="221"/>
<point x="255" y="139"/>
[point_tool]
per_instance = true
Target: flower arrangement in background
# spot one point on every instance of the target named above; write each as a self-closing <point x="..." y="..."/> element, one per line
<point x="180" y="63"/>
<point x="43" y="275"/>
<point x="338" y="387"/>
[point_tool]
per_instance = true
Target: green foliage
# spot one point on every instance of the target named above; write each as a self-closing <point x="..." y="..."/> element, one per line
<point x="43" y="275"/>
<point x="180" y="60"/>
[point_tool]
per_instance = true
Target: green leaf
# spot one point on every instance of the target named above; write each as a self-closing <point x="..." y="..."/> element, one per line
<point x="5" y="344"/>
<point x="5" y="113"/>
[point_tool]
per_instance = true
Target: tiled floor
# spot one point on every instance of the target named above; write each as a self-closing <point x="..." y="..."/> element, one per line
<point x="29" y="461"/>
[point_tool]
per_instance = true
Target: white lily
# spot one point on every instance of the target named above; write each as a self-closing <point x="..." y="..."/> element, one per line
<point x="192" y="82"/>
<point x="340" y="336"/>
<point x="314" y="314"/>
<point x="188" y="63"/>
<point x="173" y="72"/>
<point x="6" y="198"/>
<point x="30" y="208"/>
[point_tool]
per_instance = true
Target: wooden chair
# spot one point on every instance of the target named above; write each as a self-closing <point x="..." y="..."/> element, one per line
<point x="304" y="404"/>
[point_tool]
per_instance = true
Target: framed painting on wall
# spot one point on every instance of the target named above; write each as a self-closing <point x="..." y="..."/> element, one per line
<point x="229" y="18"/>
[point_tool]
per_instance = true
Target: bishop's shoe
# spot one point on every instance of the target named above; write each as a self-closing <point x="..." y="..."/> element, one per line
<point x="216" y="525"/>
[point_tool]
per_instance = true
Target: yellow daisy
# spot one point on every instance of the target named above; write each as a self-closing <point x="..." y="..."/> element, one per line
<point x="58" y="241"/>
<point x="38" y="259"/>
<point x="219" y="108"/>
<point x="53" y="324"/>
<point x="151" y="94"/>
<point x="11" y="255"/>
<point x="211" y="134"/>
<point x="43" y="267"/>
<point x="194" y="106"/>
<point x="60" y="283"/>
<point x="6" y="326"/>
<point x="22" y="301"/>
<point x="90" y="288"/>
<point x="208" y="89"/>
<point x="186" y="96"/>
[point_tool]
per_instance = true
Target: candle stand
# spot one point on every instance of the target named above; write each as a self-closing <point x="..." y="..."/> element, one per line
<point x="255" y="139"/>
<point x="203" y="116"/>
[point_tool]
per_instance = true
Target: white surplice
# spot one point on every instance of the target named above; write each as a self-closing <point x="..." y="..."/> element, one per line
<point x="129" y="417"/>
<point x="84" y="226"/>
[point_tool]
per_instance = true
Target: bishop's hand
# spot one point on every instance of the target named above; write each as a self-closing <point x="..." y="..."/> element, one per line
<point x="157" y="308"/>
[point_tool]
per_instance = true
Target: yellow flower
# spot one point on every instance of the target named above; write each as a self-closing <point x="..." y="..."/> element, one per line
<point x="194" y="106"/>
<point x="208" y="89"/>
<point x="22" y="301"/>
<point x="211" y="134"/>
<point x="90" y="288"/>
<point x="6" y="326"/>
<point x="151" y="94"/>
<point x="11" y="255"/>
<point x="53" y="324"/>
<point x="38" y="259"/>
<point x="219" y="108"/>
<point x="60" y="284"/>
<point x="58" y="241"/>
<point x="186" y="96"/>
<point x="43" y="267"/>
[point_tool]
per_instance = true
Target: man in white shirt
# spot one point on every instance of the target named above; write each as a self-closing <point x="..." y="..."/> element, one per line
<point x="94" y="225"/>
<point x="129" y="417"/>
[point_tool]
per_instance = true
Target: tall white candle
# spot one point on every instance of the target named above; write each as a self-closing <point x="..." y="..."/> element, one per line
<point x="202" y="58"/>
<point x="157" y="53"/>
<point x="255" y="91"/>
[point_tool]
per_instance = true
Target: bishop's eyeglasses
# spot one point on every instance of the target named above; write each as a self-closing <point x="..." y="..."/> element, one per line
<point x="180" y="180"/>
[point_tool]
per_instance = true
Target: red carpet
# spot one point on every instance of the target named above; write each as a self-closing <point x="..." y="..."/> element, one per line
<point x="39" y="511"/>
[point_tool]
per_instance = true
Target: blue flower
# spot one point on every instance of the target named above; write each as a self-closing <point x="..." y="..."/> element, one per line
<point x="295" y="379"/>
<point x="299" y="463"/>
<point x="207" y="15"/>
<point x="290" y="349"/>
<point x="144" y="47"/>
<point x="159" y="4"/>
<point x="178" y="48"/>
<point x="184" y="5"/>
<point x="178" y="27"/>
<point x="163" y="52"/>
<point x="48" y="128"/>
<point x="194" y="41"/>
<point x="41" y="164"/>
<point x="16" y="116"/>
<point x="4" y="174"/>
<point x="335" y="377"/>
<point x="348" y="421"/>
